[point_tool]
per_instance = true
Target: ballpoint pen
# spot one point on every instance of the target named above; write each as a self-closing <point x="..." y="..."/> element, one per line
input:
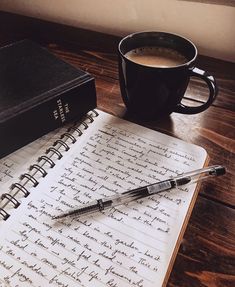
<point x="141" y="192"/>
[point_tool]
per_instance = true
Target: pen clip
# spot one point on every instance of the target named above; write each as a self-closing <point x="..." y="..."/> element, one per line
<point x="203" y="173"/>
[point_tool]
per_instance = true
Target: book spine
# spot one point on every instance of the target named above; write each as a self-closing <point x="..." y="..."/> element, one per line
<point x="45" y="162"/>
<point x="64" y="106"/>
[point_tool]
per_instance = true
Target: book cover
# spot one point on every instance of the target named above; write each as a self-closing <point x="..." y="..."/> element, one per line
<point x="38" y="93"/>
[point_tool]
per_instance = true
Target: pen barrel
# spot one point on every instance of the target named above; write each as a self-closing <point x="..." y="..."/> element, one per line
<point x="138" y="193"/>
<point x="126" y="197"/>
<point x="96" y="205"/>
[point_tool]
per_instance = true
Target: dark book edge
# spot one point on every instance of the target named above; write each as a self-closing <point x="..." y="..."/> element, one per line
<point x="80" y="77"/>
<point x="66" y="106"/>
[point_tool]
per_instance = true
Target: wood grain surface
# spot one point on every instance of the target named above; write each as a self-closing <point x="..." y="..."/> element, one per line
<point x="207" y="254"/>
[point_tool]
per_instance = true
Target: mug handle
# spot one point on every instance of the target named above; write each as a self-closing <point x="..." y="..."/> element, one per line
<point x="213" y="91"/>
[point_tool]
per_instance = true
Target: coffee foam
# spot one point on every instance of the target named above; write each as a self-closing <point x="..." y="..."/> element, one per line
<point x="156" y="56"/>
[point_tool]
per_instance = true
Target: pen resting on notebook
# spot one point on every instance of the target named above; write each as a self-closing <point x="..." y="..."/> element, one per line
<point x="138" y="193"/>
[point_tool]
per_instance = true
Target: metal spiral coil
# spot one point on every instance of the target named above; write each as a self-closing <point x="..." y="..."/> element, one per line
<point x="4" y="214"/>
<point x="85" y="125"/>
<point x="46" y="159"/>
<point x="20" y="187"/>
<point x="70" y="136"/>
<point x="54" y="151"/>
<point x="76" y="129"/>
<point x="11" y="198"/>
<point x="38" y="168"/>
<point x="62" y="143"/>
<point x="30" y="178"/>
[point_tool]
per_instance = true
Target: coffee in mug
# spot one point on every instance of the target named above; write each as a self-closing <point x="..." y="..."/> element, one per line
<point x="154" y="71"/>
<point x="156" y="57"/>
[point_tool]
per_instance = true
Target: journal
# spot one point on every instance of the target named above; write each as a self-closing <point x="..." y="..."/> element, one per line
<point x="128" y="245"/>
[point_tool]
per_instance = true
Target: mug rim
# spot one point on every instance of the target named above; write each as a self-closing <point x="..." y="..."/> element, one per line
<point x="129" y="36"/>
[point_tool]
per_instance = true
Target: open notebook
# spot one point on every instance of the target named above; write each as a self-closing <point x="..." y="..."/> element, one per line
<point x="129" y="245"/>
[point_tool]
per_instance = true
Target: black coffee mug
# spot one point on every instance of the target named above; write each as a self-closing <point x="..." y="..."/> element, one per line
<point x="151" y="92"/>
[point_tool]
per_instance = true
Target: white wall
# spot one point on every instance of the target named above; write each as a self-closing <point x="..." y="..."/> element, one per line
<point x="210" y="26"/>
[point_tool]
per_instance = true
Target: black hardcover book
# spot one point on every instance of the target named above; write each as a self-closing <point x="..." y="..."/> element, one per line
<point x="38" y="93"/>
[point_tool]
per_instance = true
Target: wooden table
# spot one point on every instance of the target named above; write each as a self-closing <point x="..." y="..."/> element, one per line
<point x="207" y="253"/>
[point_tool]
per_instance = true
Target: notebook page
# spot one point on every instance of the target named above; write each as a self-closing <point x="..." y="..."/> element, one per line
<point x="13" y="165"/>
<point x="127" y="245"/>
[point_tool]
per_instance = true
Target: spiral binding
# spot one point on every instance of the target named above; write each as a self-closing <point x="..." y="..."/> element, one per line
<point x="20" y="187"/>
<point x="39" y="168"/>
<point x="30" y="178"/>
<point x="75" y="129"/>
<point x="11" y="198"/>
<point x="54" y="151"/>
<point x="62" y="143"/>
<point x="45" y="161"/>
<point x="68" y="135"/>
<point x="4" y="214"/>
